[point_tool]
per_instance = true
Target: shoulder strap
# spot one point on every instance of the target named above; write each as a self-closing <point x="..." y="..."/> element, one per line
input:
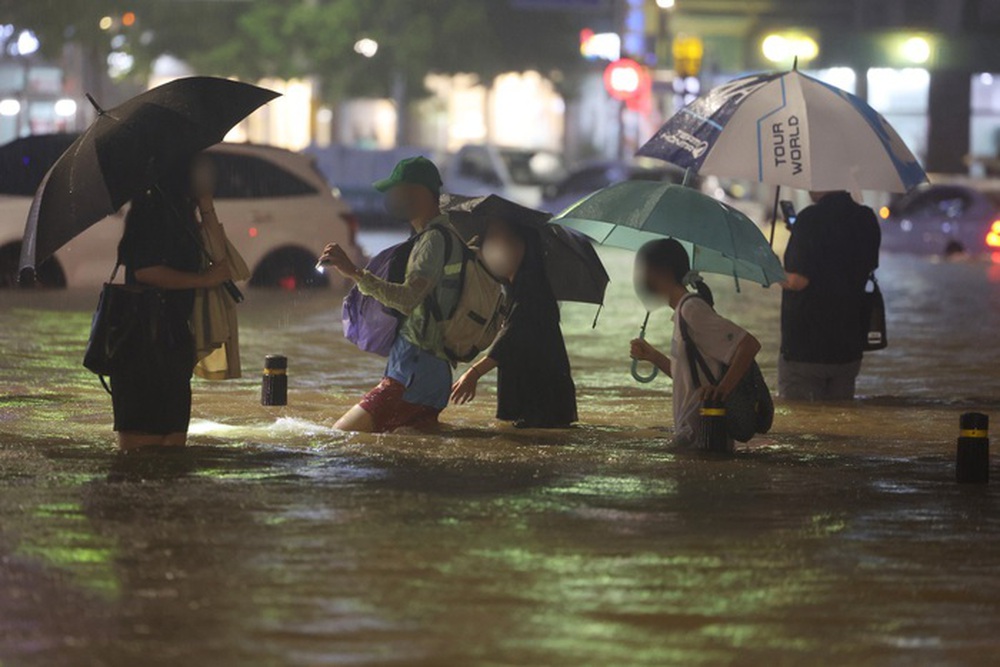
<point x="433" y="305"/>
<point x="695" y="358"/>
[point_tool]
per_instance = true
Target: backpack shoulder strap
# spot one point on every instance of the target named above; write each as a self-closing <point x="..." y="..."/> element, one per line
<point x="695" y="358"/>
<point x="432" y="301"/>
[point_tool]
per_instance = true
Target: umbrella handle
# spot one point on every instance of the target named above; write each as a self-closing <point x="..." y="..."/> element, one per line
<point x="645" y="379"/>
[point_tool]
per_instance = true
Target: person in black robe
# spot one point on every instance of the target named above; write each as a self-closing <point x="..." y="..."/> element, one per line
<point x="534" y="385"/>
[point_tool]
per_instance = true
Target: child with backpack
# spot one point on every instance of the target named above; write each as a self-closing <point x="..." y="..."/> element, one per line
<point x="727" y="351"/>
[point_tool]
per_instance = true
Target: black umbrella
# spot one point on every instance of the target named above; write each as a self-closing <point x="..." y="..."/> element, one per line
<point x="574" y="270"/>
<point x="126" y="150"/>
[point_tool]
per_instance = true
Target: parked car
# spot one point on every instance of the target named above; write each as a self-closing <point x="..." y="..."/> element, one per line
<point x="520" y="175"/>
<point x="277" y="209"/>
<point x="949" y="215"/>
<point x="355" y="170"/>
<point x="593" y="176"/>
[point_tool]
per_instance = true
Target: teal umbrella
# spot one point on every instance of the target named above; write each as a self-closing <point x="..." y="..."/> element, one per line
<point x="718" y="238"/>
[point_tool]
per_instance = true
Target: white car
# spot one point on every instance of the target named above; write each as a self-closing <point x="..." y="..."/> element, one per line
<point x="520" y="175"/>
<point x="276" y="207"/>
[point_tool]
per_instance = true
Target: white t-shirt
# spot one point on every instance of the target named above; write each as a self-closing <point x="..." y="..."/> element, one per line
<point x="717" y="339"/>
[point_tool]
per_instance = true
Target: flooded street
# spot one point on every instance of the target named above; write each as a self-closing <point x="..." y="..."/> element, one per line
<point x="839" y="538"/>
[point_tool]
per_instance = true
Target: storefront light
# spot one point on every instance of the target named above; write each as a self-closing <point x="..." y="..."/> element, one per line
<point x="9" y="107"/>
<point x="65" y="107"/>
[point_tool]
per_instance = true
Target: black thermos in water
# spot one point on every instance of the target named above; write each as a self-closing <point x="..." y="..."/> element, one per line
<point x="972" y="460"/>
<point x="274" y="386"/>
<point x="714" y="434"/>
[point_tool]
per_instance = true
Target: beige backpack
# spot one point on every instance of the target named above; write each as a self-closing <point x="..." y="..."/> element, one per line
<point x="478" y="312"/>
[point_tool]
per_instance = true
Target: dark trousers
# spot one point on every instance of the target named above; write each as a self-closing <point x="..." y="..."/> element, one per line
<point x="801" y="381"/>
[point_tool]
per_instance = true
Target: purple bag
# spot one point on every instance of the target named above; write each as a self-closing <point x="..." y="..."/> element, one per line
<point x="367" y="323"/>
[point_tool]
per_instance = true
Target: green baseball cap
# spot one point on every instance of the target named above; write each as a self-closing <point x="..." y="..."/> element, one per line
<point x="415" y="171"/>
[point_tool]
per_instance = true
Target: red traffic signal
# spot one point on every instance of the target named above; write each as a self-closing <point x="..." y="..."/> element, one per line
<point x="628" y="81"/>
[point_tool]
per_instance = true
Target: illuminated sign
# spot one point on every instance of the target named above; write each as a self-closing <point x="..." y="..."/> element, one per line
<point x="600" y="46"/>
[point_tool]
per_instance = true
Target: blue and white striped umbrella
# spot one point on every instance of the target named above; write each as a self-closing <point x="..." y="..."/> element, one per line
<point x="788" y="129"/>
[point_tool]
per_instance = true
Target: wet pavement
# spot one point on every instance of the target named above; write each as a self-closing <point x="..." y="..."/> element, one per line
<point x="840" y="538"/>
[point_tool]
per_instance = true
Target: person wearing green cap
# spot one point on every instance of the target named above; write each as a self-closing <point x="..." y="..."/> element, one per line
<point x="418" y="376"/>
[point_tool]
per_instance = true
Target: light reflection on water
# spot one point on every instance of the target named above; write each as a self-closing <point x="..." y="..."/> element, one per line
<point x="275" y="540"/>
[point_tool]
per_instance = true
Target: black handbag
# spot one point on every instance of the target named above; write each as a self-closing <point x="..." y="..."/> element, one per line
<point x="126" y="317"/>
<point x="750" y="407"/>
<point x="874" y="336"/>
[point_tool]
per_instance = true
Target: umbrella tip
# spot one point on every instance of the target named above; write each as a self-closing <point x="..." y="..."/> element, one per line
<point x="90" y="98"/>
<point x="26" y="277"/>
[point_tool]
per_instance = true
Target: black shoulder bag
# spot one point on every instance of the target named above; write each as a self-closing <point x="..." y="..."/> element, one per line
<point x="127" y="316"/>
<point x="874" y="336"/>
<point x="749" y="408"/>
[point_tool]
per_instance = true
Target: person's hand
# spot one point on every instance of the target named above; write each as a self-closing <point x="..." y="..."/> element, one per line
<point x="217" y="274"/>
<point x="642" y="350"/>
<point x="717" y="393"/>
<point x="464" y="390"/>
<point x="337" y="257"/>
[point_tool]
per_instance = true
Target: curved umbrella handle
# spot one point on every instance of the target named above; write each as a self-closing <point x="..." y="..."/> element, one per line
<point x="645" y="379"/>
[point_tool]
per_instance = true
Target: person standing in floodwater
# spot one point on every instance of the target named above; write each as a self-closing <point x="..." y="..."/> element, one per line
<point x="161" y="249"/>
<point x="417" y="380"/>
<point x="534" y="385"/>
<point x="664" y="271"/>
<point x="833" y="249"/>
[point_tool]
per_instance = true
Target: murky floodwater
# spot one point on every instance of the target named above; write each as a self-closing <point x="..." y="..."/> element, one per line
<point x="841" y="538"/>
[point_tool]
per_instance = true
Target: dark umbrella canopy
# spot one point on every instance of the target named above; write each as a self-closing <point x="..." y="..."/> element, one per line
<point x="574" y="270"/>
<point x="124" y="152"/>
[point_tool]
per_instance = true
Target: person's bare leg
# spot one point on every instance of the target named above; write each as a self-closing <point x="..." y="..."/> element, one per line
<point x="356" y="419"/>
<point x="131" y="440"/>
<point x="178" y="439"/>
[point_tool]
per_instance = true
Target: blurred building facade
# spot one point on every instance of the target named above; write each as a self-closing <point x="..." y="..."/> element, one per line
<point x="36" y="95"/>
<point x="931" y="67"/>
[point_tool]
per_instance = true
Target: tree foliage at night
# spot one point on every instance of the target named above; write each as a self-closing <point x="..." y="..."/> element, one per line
<point x="288" y="38"/>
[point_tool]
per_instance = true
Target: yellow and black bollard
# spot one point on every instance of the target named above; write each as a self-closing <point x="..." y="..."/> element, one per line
<point x="714" y="434"/>
<point x="274" y="386"/>
<point x="972" y="460"/>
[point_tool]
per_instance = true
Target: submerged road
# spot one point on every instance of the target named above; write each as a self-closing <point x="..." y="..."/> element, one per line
<point x="840" y="538"/>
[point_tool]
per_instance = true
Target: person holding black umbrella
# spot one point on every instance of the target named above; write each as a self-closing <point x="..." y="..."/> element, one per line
<point x="534" y="385"/>
<point x="161" y="251"/>
<point x="141" y="152"/>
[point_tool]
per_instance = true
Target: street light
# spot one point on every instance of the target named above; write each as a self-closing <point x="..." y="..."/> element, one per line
<point x="666" y="4"/>
<point x="27" y="43"/>
<point x="779" y="48"/>
<point x="916" y="50"/>
<point x="366" y="46"/>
